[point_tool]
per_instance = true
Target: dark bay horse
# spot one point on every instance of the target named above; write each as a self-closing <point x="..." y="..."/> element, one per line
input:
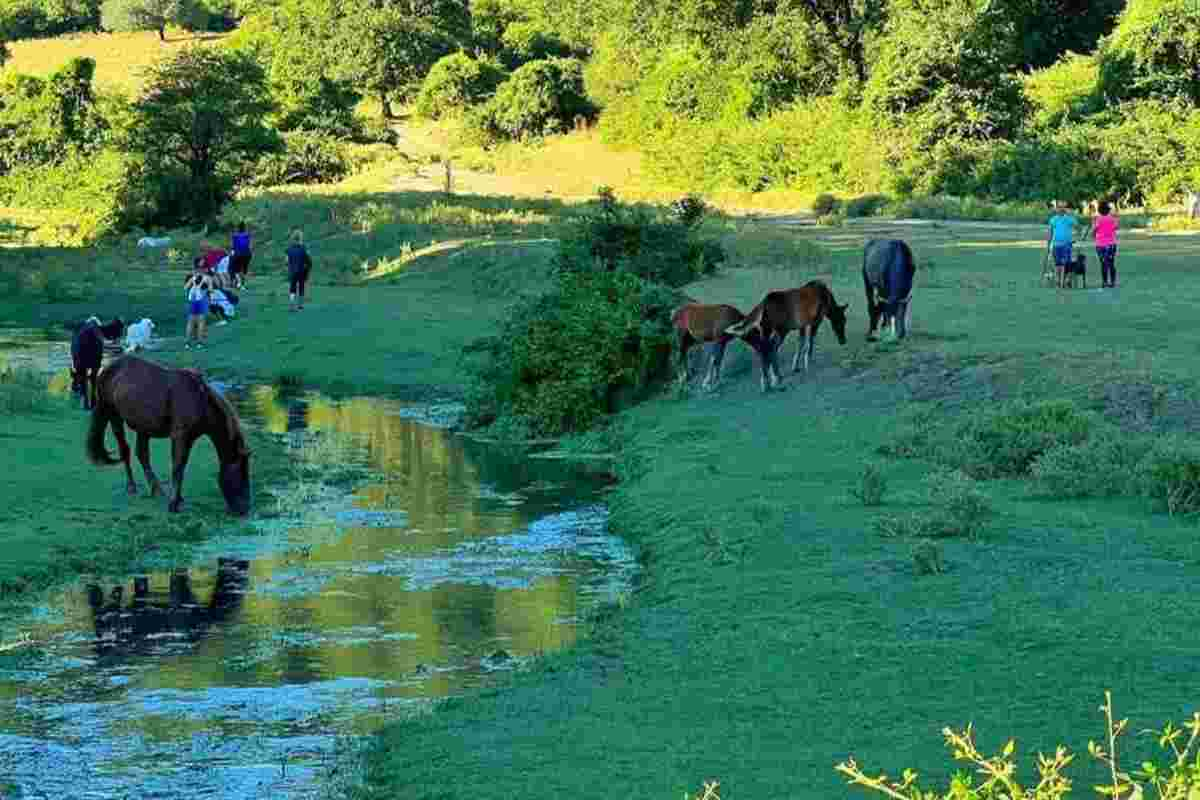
<point x="87" y="353"/>
<point x="159" y="403"/>
<point x="888" y="270"/>
<point x="781" y="312"/>
<point x="699" y="322"/>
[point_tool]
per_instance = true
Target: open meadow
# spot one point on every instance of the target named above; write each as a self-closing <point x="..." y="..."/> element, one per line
<point x="776" y="629"/>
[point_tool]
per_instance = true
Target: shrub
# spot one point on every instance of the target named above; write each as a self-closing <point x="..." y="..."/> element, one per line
<point x="597" y="341"/>
<point x="867" y="205"/>
<point x="538" y="99"/>
<point x="658" y="249"/>
<point x="956" y="507"/>
<point x="872" y="485"/>
<point x="21" y="391"/>
<point x="1103" y="465"/>
<point x="526" y="41"/>
<point x="1170" y="475"/>
<point x="455" y="83"/>
<point x="825" y="204"/>
<point x="306" y="158"/>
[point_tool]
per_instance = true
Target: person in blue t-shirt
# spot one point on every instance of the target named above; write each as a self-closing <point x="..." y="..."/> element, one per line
<point x="1062" y="237"/>
<point x="240" y="255"/>
<point x="299" y="265"/>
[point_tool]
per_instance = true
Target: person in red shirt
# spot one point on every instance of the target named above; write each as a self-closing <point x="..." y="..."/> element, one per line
<point x="211" y="256"/>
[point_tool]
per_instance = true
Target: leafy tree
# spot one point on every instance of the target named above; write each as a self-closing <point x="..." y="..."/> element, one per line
<point x="455" y="83"/>
<point x="151" y="15"/>
<point x="388" y="48"/>
<point x="295" y="41"/>
<point x="951" y="60"/>
<point x="540" y="98"/>
<point x="203" y="110"/>
<point x="1154" y="51"/>
<point x="1047" y="29"/>
<point x="42" y="121"/>
<point x="848" y="23"/>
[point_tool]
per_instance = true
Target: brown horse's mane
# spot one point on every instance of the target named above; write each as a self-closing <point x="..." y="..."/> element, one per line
<point x="226" y="410"/>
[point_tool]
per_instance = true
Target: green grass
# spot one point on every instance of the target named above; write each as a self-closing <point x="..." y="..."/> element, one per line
<point x="775" y="633"/>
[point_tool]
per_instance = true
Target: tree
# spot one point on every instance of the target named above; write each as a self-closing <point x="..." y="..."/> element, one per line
<point x="203" y="109"/>
<point x="388" y="48"/>
<point x="1047" y="29"/>
<point x="1154" y="52"/>
<point x="150" y="15"/>
<point x="848" y="23"/>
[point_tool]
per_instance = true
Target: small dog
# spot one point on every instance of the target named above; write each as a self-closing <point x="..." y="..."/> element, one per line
<point x="138" y="335"/>
<point x="1076" y="267"/>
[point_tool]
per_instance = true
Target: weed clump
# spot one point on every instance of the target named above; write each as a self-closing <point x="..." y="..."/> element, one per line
<point x="956" y="507"/>
<point x="1170" y="476"/>
<point x="1102" y="466"/>
<point x="994" y="444"/>
<point x="21" y="391"/>
<point x="872" y="485"/>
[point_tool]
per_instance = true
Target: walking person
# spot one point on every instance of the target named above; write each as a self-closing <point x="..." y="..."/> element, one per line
<point x="1061" y="240"/>
<point x="1104" y="229"/>
<point x="299" y="265"/>
<point x="239" y="261"/>
<point x="198" y="285"/>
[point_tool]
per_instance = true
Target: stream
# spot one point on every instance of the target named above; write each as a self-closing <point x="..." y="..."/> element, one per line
<point x="254" y="670"/>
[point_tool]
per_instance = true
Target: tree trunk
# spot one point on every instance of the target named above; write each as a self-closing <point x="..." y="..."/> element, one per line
<point x="162" y="33"/>
<point x="386" y="105"/>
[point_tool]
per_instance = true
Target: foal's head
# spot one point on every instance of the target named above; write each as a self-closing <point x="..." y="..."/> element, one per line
<point x="837" y="316"/>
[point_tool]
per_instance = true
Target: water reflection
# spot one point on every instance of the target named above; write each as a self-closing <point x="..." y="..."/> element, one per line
<point x="451" y="562"/>
<point x="122" y="629"/>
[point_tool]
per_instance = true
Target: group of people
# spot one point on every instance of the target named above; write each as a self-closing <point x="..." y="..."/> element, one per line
<point x="1061" y="242"/>
<point x="213" y="272"/>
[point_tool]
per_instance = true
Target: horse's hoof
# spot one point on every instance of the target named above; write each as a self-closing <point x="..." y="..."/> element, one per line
<point x="174" y="506"/>
<point x="132" y="490"/>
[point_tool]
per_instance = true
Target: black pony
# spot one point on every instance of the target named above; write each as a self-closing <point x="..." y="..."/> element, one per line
<point x="87" y="353"/>
<point x="888" y="270"/>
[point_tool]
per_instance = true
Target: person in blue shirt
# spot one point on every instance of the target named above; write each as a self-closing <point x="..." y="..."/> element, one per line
<point x="299" y="265"/>
<point x="240" y="255"/>
<point x="1060" y="240"/>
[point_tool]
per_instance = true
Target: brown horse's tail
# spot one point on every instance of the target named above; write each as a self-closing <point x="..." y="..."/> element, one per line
<point x="96" y="451"/>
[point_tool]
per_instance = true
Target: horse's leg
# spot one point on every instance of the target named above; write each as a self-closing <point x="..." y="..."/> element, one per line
<point x="181" y="447"/>
<point x="143" y="454"/>
<point x="812" y="343"/>
<point x="718" y="358"/>
<point x="801" y="342"/>
<point x="118" y="427"/>
<point x="872" y="309"/>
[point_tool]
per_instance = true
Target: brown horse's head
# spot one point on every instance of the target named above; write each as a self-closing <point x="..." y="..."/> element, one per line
<point x="234" y="479"/>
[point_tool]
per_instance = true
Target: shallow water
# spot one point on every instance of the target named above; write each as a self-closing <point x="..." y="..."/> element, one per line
<point x="453" y="562"/>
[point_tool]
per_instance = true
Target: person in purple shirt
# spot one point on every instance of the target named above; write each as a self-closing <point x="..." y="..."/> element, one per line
<point x="239" y="258"/>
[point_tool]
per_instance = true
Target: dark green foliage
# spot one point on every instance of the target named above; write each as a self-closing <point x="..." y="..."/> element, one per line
<point x="455" y="83"/>
<point x="1170" y="475"/>
<point x="43" y="121"/>
<point x="825" y="204"/>
<point x="868" y="205"/>
<point x="306" y="158"/>
<point x="1154" y="52"/>
<point x="152" y="15"/>
<point x="1102" y="465"/>
<point x="595" y="342"/>
<point x="1045" y="30"/>
<point x="30" y="19"/>
<point x="540" y="98"/>
<point x="525" y="41"/>
<point x="645" y="243"/>
<point x="202" y="110"/>
<point x="993" y="443"/>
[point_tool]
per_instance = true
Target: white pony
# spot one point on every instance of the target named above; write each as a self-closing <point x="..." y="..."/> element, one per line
<point x="150" y="241"/>
<point x="137" y="337"/>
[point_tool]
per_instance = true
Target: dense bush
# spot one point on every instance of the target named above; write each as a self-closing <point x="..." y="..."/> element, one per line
<point x="659" y="248"/>
<point x="1103" y="465"/>
<point x="539" y="98"/>
<point x="1154" y="52"/>
<point x="824" y="204"/>
<point x="562" y="361"/>
<point x="1170" y="475"/>
<point x="305" y="158"/>
<point x="525" y="40"/>
<point x="42" y="120"/>
<point x="455" y="83"/>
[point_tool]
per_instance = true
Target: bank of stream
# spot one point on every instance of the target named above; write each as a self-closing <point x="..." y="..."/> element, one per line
<point x="246" y="672"/>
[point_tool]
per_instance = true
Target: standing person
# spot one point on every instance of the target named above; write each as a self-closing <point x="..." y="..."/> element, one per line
<point x="239" y="262"/>
<point x="1061" y="239"/>
<point x="198" y="285"/>
<point x="211" y="256"/>
<point x="299" y="265"/>
<point x="1105" y="231"/>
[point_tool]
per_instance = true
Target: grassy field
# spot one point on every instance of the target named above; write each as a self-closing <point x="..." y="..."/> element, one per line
<point x="774" y="634"/>
<point x="121" y="58"/>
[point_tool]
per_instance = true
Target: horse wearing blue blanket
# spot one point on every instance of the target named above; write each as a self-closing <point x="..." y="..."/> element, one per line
<point x="888" y="270"/>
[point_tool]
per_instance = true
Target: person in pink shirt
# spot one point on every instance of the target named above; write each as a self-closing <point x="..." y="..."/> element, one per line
<point x="1104" y="229"/>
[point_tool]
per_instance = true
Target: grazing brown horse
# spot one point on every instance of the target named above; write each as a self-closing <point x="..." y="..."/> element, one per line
<point x="698" y="322"/>
<point x="781" y="312"/>
<point x="159" y="403"/>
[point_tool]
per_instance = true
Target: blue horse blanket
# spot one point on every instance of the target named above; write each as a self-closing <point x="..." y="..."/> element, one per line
<point x="888" y="267"/>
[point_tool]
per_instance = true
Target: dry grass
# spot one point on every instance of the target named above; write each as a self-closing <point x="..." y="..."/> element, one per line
<point x="121" y="58"/>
